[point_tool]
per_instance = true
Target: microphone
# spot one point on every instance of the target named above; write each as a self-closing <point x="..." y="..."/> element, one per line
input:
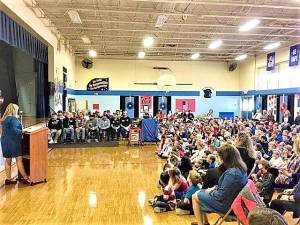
<point x="21" y="117"/>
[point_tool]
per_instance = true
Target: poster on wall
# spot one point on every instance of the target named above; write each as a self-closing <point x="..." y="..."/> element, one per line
<point x="271" y="61"/>
<point x="146" y="103"/>
<point x="294" y="55"/>
<point x="96" y="107"/>
<point x="185" y="104"/>
<point x="272" y="104"/>
<point x="98" y="84"/>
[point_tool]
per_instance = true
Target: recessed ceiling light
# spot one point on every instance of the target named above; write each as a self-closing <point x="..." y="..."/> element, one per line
<point x="272" y="46"/>
<point x="141" y="55"/>
<point x="86" y="39"/>
<point x="249" y="25"/>
<point x="195" y="56"/>
<point x="215" y="44"/>
<point x="74" y="16"/>
<point x="92" y="53"/>
<point x="241" y="57"/>
<point x="148" y="42"/>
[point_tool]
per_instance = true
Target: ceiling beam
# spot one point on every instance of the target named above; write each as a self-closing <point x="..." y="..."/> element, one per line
<point x="235" y="4"/>
<point x="171" y="38"/>
<point x="78" y="47"/>
<point x="134" y="11"/>
<point x="98" y="21"/>
<point x="180" y="32"/>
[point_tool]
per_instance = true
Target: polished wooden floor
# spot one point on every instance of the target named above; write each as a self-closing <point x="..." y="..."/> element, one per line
<point x="103" y="186"/>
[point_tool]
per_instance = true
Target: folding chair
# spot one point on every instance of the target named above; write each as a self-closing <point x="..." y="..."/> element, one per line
<point x="252" y="171"/>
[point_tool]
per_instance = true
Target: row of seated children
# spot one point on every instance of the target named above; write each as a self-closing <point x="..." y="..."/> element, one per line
<point x="193" y="147"/>
<point x="82" y="127"/>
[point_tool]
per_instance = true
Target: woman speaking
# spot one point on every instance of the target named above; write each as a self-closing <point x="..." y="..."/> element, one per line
<point x="11" y="143"/>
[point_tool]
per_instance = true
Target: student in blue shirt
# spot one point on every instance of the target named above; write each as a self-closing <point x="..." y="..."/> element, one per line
<point x="184" y="206"/>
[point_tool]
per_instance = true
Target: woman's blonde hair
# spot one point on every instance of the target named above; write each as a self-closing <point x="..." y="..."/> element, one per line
<point x="11" y="110"/>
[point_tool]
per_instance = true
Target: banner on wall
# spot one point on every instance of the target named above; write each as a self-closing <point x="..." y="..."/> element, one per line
<point x="98" y="84"/>
<point x="185" y="104"/>
<point x="272" y="104"/>
<point x="271" y="61"/>
<point x="294" y="55"/>
<point x="96" y="107"/>
<point x="146" y="103"/>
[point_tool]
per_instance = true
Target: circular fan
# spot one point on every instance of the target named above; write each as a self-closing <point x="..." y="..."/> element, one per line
<point x="129" y="105"/>
<point x="87" y="63"/>
<point x="232" y="67"/>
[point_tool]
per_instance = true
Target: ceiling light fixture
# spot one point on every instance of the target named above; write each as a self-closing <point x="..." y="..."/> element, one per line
<point x="249" y="25"/>
<point x="161" y="19"/>
<point x="195" y="56"/>
<point x="85" y="39"/>
<point x="241" y="57"/>
<point x="272" y="46"/>
<point x="148" y="42"/>
<point x="141" y="55"/>
<point x="215" y="44"/>
<point x="92" y="53"/>
<point x="74" y="16"/>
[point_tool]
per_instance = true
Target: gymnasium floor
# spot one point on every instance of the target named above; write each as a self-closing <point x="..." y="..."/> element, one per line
<point x="103" y="186"/>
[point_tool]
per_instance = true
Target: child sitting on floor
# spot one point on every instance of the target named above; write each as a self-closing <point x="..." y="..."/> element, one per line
<point x="184" y="206"/>
<point x="164" y="202"/>
<point x="178" y="182"/>
<point x="164" y="176"/>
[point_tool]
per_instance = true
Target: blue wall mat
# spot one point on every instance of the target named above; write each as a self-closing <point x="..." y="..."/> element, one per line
<point x="226" y="115"/>
<point x="130" y="111"/>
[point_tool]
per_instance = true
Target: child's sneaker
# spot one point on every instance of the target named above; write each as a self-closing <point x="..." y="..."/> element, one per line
<point x="150" y="201"/>
<point x="182" y="212"/>
<point x="159" y="210"/>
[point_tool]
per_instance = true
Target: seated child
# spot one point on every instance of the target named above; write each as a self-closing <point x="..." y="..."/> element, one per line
<point x="164" y="176"/>
<point x="210" y="162"/>
<point x="185" y="165"/>
<point x="265" y="184"/>
<point x="178" y="182"/>
<point x="184" y="206"/>
<point x="165" y="202"/>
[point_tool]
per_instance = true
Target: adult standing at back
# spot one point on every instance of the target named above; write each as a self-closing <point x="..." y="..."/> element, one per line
<point x="245" y="147"/>
<point x="11" y="143"/>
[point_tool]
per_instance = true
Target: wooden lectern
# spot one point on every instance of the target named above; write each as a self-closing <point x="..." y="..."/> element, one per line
<point x="35" y="153"/>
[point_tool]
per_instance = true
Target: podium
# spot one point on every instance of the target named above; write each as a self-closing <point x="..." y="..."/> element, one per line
<point x="35" y="153"/>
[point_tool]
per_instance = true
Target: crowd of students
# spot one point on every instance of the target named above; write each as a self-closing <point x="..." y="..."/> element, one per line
<point x="209" y="161"/>
<point x="82" y="126"/>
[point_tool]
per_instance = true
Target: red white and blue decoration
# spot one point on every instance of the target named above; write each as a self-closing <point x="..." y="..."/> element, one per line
<point x="294" y="55"/>
<point x="162" y="105"/>
<point x="98" y="84"/>
<point x="271" y="61"/>
<point x="129" y="105"/>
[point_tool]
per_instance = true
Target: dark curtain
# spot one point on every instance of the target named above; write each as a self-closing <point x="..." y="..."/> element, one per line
<point x="155" y="105"/>
<point x="15" y="35"/>
<point x="7" y="76"/>
<point x="42" y="89"/>
<point x="122" y="103"/>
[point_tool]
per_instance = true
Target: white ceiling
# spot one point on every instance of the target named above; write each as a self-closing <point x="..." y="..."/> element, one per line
<point x="116" y="28"/>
